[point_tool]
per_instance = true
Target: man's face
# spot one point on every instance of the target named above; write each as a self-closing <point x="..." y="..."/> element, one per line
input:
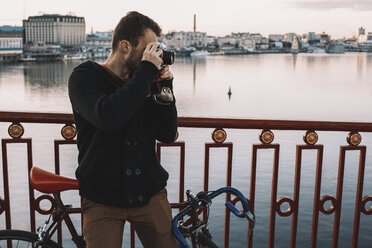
<point x="136" y="53"/>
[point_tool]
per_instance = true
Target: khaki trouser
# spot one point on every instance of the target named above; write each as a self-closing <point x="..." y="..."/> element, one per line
<point x="103" y="226"/>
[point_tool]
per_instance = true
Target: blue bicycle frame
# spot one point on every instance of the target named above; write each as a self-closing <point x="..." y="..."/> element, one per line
<point x="199" y="203"/>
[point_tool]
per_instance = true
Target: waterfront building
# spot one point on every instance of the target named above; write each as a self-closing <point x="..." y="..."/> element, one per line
<point x="276" y="37"/>
<point x="325" y="38"/>
<point x="178" y="40"/>
<point x="289" y="37"/>
<point x="11" y="43"/>
<point x="312" y="38"/>
<point x="240" y="35"/>
<point x="228" y="41"/>
<point x="99" y="38"/>
<point x="304" y="41"/>
<point x="369" y="37"/>
<point x="98" y="45"/>
<point x="211" y="40"/>
<point x="55" y="29"/>
<point x="362" y="37"/>
<point x="248" y="45"/>
<point x="289" y="40"/>
<point x="362" y="31"/>
<point x="275" y="41"/>
<point x="11" y="32"/>
<point x="365" y="42"/>
<point x="256" y="37"/>
<point x="173" y="40"/>
<point x="254" y="41"/>
<point x="317" y="38"/>
<point x="258" y="41"/>
<point x="295" y="44"/>
<point x="278" y="44"/>
<point x="263" y="44"/>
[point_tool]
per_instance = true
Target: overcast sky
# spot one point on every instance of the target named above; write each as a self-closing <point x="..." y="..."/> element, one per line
<point x="339" y="18"/>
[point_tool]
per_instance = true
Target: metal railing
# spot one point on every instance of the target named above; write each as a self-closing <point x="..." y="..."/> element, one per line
<point x="219" y="134"/>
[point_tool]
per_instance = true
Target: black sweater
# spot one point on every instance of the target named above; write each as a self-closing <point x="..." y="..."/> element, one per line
<point x="116" y="131"/>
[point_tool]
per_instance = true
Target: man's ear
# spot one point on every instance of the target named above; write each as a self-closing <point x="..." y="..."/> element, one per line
<point x="124" y="46"/>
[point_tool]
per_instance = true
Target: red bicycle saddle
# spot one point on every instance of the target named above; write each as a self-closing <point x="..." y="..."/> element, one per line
<point x="48" y="182"/>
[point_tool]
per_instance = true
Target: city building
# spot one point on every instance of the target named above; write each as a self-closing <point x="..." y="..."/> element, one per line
<point x="228" y="41"/>
<point x="275" y="37"/>
<point x="275" y="41"/>
<point x="98" y="45"/>
<point x="362" y="31"/>
<point x="312" y="38"/>
<point x="178" y="40"/>
<point x="325" y="38"/>
<point x="289" y="39"/>
<point x="11" y="43"/>
<point x="256" y="37"/>
<point x="248" y="45"/>
<point x="240" y="35"/>
<point x="211" y="40"/>
<point x="254" y="41"/>
<point x="362" y="37"/>
<point x="99" y="38"/>
<point x="55" y="29"/>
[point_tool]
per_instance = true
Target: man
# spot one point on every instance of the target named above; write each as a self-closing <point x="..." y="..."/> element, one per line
<point x="117" y="123"/>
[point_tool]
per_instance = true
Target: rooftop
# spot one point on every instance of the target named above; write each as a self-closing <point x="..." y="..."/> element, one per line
<point x="11" y="29"/>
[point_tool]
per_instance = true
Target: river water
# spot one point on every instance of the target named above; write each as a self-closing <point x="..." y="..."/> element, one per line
<point x="319" y="87"/>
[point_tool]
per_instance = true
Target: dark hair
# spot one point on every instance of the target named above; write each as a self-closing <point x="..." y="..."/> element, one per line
<point x="133" y="26"/>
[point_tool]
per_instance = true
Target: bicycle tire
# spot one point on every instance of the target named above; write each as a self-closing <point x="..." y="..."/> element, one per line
<point x="23" y="238"/>
<point x="206" y="241"/>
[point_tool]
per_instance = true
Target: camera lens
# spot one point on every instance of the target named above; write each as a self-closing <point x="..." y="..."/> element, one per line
<point x="168" y="57"/>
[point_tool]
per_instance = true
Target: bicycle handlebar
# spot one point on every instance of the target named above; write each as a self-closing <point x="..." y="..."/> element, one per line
<point x="247" y="213"/>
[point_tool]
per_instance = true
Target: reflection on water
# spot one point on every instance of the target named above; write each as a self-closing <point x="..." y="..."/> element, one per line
<point x="275" y="86"/>
<point x="291" y="61"/>
<point x="47" y="75"/>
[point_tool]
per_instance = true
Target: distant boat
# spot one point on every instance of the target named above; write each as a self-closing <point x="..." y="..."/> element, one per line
<point x="316" y="50"/>
<point x="218" y="53"/>
<point x="26" y="59"/>
<point x="77" y="56"/>
<point x="200" y="53"/>
<point x="185" y="51"/>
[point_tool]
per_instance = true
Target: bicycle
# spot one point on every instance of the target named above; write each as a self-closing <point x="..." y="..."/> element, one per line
<point x="47" y="182"/>
<point x="196" y="230"/>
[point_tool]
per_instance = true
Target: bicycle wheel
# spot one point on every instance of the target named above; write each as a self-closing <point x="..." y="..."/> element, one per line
<point x="21" y="239"/>
<point x="189" y="240"/>
<point x="206" y="241"/>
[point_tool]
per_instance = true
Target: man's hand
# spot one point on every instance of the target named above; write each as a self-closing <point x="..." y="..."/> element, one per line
<point x="165" y="74"/>
<point x="152" y="55"/>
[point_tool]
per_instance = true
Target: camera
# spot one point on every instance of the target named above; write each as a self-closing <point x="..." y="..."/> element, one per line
<point x="168" y="57"/>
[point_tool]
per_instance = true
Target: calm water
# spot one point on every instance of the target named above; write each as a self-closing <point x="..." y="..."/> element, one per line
<point x="293" y="87"/>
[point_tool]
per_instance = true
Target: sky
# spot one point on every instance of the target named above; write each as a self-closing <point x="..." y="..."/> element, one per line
<point x="339" y="18"/>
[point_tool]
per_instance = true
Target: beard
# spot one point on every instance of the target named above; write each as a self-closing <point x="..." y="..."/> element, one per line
<point x="133" y="61"/>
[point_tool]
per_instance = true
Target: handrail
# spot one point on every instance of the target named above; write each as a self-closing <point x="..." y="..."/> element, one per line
<point x="68" y="132"/>
<point x="197" y="122"/>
